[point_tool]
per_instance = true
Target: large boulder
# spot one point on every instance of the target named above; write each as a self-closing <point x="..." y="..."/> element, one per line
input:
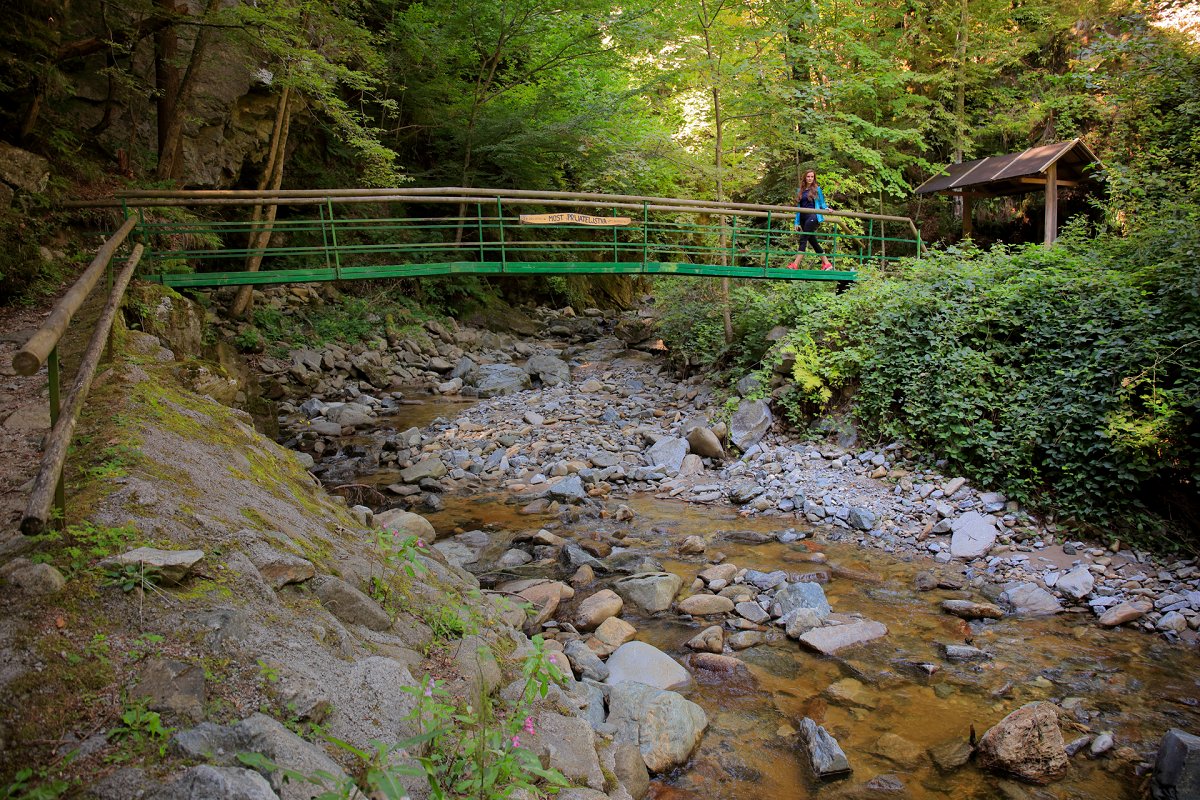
<point x="567" y="744"/>
<point x="1027" y="744"/>
<point x="549" y="370"/>
<point x="494" y="380"/>
<point x="668" y="452"/>
<point x="1177" y="767"/>
<point x="703" y="442"/>
<point x="597" y="608"/>
<point x="750" y="423"/>
<point x="801" y="595"/>
<point x="1077" y="583"/>
<point x="663" y="725"/>
<point x="645" y="663"/>
<point x="972" y="535"/>
<point x="405" y="523"/>
<point x="22" y="169"/>
<point x="650" y="591"/>
<point x="1030" y="599"/>
<point x="830" y="639"/>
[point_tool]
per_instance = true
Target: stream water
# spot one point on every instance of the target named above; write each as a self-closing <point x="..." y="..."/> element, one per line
<point x="1130" y="683"/>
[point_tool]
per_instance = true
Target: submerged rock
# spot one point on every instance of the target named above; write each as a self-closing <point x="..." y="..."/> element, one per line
<point x="825" y="756"/>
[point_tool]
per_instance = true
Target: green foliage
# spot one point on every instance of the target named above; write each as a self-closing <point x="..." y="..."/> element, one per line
<point x="132" y="576"/>
<point x="82" y="544"/>
<point x="140" y="729"/>
<point x="1068" y="377"/>
<point x="472" y="751"/>
<point x="29" y="784"/>
<point x="476" y="751"/>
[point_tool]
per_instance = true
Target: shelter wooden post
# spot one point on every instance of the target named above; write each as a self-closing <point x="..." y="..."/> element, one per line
<point x="1051" y="204"/>
<point x="968" y="210"/>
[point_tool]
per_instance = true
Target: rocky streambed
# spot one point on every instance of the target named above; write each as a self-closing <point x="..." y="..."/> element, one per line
<point x="763" y="616"/>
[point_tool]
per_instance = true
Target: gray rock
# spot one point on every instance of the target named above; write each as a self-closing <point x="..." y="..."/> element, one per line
<point x="572" y="556"/>
<point x="972" y="535"/>
<point x="350" y="605"/>
<point x="34" y="579"/>
<point x="205" y="782"/>
<point x="477" y="664"/>
<point x="630" y="769"/>
<point x="350" y="415"/>
<point x="645" y="663"/>
<point x="663" y="725"/>
<point x="465" y="548"/>
<point x="172" y="686"/>
<point x="279" y="569"/>
<point x="650" y="591"/>
<point x="1177" y="767"/>
<point x="752" y="611"/>
<point x="429" y="468"/>
<point x="799" y="621"/>
<point x="800" y="595"/>
<point x="404" y="523"/>
<point x="1078" y="583"/>
<point x="702" y="605"/>
<point x="744" y="491"/>
<point x="172" y="565"/>
<point x="833" y="638"/>
<point x="568" y="490"/>
<point x="959" y="653"/>
<point x="23" y="169"/>
<point x="668" y="453"/>
<point x="861" y="518"/>
<point x="496" y="380"/>
<point x="568" y="745"/>
<point x="950" y="755"/>
<point x="631" y="563"/>
<point x="1030" y="599"/>
<point x="259" y="734"/>
<point x="749" y="423"/>
<point x="765" y="580"/>
<point x="585" y="662"/>
<point x="825" y="756"/>
<point x="549" y="370"/>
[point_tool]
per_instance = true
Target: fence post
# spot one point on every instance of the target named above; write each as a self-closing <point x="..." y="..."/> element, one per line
<point x="479" y="224"/>
<point x="645" y="234"/>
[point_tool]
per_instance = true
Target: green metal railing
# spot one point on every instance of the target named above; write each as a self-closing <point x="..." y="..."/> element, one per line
<point x="317" y="236"/>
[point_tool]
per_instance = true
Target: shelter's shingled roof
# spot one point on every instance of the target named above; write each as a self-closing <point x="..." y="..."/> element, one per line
<point x="1002" y="175"/>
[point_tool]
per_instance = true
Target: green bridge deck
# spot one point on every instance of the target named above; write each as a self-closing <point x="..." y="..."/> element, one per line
<point x="195" y="239"/>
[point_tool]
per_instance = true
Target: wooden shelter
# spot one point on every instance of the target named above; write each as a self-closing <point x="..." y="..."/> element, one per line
<point x="1039" y="168"/>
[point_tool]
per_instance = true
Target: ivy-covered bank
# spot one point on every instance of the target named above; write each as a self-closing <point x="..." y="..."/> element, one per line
<point x="1068" y="378"/>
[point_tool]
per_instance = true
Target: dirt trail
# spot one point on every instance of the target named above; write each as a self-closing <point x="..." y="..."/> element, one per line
<point x="24" y="416"/>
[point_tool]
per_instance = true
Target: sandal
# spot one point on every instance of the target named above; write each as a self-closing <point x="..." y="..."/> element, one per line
<point x="794" y="265"/>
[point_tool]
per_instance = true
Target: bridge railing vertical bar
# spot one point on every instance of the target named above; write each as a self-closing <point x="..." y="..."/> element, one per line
<point x="325" y="237"/>
<point x="614" y="230"/>
<point x="479" y="225"/>
<point x="645" y="234"/>
<point x="500" y="226"/>
<point x="882" y="243"/>
<point x="733" y="242"/>
<point x="337" y="253"/>
<point x="767" y="245"/>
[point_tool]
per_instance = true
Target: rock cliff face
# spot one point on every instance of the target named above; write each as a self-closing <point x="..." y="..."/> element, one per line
<point x="229" y="121"/>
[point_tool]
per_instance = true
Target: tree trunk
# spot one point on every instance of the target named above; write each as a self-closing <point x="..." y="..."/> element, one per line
<point x="171" y="134"/>
<point x="272" y="177"/>
<point x="166" y="75"/>
<point x="960" y="98"/>
<point x="706" y="23"/>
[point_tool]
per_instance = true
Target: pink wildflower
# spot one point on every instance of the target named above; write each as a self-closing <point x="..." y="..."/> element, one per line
<point x="529" y="726"/>
<point x="516" y="740"/>
<point x="429" y="690"/>
<point x="421" y="544"/>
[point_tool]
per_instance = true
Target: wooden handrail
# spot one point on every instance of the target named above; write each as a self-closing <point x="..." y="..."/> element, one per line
<point x="37" y="511"/>
<point x="455" y="194"/>
<point x="29" y="359"/>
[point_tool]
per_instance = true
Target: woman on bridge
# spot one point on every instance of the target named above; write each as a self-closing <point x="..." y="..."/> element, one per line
<point x="809" y="195"/>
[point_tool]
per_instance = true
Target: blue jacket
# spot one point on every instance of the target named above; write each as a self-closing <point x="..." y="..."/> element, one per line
<point x="819" y="204"/>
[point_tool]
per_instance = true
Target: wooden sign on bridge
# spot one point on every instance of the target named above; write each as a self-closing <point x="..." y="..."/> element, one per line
<point x="568" y="218"/>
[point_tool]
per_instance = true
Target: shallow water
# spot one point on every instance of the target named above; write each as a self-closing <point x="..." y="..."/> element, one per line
<point x="1136" y="685"/>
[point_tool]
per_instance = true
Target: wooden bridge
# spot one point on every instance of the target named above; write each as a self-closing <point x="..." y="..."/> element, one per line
<point x="206" y="238"/>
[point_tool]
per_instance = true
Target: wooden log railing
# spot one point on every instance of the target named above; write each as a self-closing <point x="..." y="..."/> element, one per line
<point x="42" y="348"/>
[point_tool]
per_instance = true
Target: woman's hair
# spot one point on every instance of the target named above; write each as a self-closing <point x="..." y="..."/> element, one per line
<point x="804" y="178"/>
